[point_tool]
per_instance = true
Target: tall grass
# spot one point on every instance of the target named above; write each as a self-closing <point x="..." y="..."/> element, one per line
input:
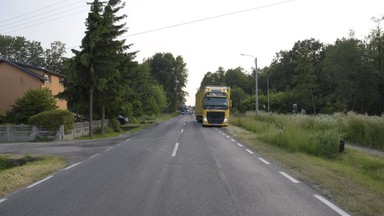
<point x="364" y="130"/>
<point x="316" y="135"/>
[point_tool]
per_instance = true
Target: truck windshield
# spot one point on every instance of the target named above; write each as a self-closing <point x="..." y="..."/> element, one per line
<point x="215" y="103"/>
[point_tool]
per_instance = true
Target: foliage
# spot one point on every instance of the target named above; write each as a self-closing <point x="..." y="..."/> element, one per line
<point x="19" y="49"/>
<point x="295" y="133"/>
<point x="52" y="120"/>
<point x="171" y="73"/>
<point x="318" y="78"/>
<point x="33" y="102"/>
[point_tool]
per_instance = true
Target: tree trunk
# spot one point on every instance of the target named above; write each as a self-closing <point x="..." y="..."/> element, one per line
<point x="313" y="101"/>
<point x="102" y="117"/>
<point x="91" y="90"/>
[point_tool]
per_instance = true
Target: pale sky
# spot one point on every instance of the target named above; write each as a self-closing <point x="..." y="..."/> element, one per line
<point x="263" y="28"/>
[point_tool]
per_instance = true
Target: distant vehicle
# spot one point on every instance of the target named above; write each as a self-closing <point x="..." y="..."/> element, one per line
<point x="122" y="119"/>
<point x="212" y="105"/>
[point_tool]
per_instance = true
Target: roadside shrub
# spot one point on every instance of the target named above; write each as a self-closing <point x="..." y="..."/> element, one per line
<point x="52" y="120"/>
<point x="114" y="125"/>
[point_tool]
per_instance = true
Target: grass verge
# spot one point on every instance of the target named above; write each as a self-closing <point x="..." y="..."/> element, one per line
<point x="354" y="180"/>
<point x="18" y="177"/>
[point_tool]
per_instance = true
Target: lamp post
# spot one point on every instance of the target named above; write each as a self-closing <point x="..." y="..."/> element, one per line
<point x="256" y="84"/>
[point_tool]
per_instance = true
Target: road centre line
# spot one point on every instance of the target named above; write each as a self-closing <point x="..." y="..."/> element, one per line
<point x="331" y="205"/>
<point x="233" y="140"/>
<point x="73" y="165"/>
<point x="175" y="150"/>
<point x="127" y="140"/>
<point x="239" y="145"/>
<point x="2" y="200"/>
<point x="251" y="152"/>
<point x="109" y="148"/>
<point x="228" y="137"/>
<point x="264" y="161"/>
<point x="289" y="177"/>
<point x="182" y="130"/>
<point x="39" y="182"/>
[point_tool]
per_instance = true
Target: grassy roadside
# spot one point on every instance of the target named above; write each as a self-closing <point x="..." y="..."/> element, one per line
<point x="354" y="180"/>
<point x="20" y="176"/>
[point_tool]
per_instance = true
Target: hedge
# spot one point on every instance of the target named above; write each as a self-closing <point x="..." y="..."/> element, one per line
<point x="52" y="120"/>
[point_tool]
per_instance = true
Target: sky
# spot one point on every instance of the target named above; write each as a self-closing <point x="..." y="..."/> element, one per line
<point x="206" y="33"/>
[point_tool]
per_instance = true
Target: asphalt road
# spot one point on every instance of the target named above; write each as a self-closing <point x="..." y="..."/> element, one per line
<point x="175" y="168"/>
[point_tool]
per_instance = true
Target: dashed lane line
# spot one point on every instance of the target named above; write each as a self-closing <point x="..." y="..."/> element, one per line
<point x="289" y="177"/>
<point x="175" y="150"/>
<point x="264" y="161"/>
<point x="331" y="205"/>
<point x="249" y="151"/>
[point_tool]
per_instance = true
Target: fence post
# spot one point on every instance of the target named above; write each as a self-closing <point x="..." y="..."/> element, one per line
<point x="61" y="132"/>
<point x="33" y="134"/>
<point x="8" y="132"/>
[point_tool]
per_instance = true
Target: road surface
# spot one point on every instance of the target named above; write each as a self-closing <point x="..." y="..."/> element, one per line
<point x="175" y="168"/>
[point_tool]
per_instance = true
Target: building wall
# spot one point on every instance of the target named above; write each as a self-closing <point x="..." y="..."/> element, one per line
<point x="14" y="83"/>
<point x="56" y="87"/>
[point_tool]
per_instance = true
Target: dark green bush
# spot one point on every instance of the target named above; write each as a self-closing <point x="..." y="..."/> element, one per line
<point x="52" y="120"/>
<point x="115" y="125"/>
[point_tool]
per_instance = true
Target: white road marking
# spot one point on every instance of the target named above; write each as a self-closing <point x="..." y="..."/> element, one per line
<point x="73" y="165"/>
<point x="182" y="130"/>
<point x="289" y="177"/>
<point x="95" y="155"/>
<point x="224" y="134"/>
<point x="239" y="145"/>
<point x="109" y="148"/>
<point x="184" y="123"/>
<point x="175" y="150"/>
<point x="2" y="200"/>
<point x="127" y="140"/>
<point x="228" y="137"/>
<point x="39" y="182"/>
<point x="331" y="205"/>
<point x="233" y="140"/>
<point x="264" y="161"/>
<point x="251" y="152"/>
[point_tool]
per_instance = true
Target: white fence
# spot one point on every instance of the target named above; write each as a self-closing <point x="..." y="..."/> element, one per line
<point x="26" y="133"/>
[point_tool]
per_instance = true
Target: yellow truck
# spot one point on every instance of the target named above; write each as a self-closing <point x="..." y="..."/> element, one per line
<point x="212" y="105"/>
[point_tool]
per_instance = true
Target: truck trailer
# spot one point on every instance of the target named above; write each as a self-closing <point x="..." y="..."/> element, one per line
<point x="212" y="105"/>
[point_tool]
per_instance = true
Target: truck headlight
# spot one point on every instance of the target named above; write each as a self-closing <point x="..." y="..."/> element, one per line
<point x="225" y="120"/>
<point x="205" y="119"/>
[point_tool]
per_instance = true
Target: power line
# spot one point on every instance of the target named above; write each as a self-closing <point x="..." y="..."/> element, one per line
<point x="36" y="10"/>
<point x="44" y="13"/>
<point x="42" y="18"/>
<point x="207" y="18"/>
<point x="47" y="21"/>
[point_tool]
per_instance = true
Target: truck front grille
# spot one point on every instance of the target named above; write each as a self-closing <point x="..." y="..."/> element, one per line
<point x="215" y="117"/>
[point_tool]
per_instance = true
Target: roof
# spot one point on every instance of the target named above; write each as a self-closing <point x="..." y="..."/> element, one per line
<point x="27" y="69"/>
<point x="39" y="68"/>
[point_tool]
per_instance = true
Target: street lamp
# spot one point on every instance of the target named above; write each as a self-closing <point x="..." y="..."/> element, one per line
<point x="256" y="83"/>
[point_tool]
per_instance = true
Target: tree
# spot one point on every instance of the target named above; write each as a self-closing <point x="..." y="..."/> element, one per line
<point x="54" y="57"/>
<point x="19" y="49"/>
<point x="172" y="74"/>
<point x="352" y="78"/>
<point x="217" y="78"/>
<point x="33" y="102"/>
<point x="87" y="57"/>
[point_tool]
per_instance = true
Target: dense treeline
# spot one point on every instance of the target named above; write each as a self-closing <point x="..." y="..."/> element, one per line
<point x="103" y="79"/>
<point x="319" y="78"/>
<point x="21" y="50"/>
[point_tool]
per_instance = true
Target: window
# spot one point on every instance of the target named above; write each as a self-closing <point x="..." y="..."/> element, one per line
<point x="47" y="78"/>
